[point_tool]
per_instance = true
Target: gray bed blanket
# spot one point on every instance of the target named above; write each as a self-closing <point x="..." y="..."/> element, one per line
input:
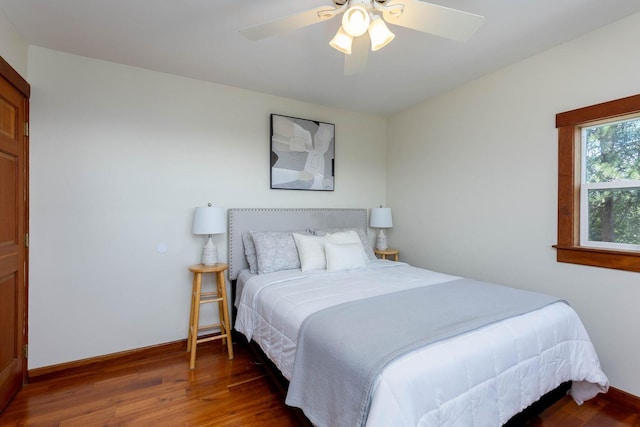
<point x="342" y="349"/>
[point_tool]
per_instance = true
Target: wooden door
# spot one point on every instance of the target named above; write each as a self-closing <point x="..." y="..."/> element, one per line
<point x="13" y="208"/>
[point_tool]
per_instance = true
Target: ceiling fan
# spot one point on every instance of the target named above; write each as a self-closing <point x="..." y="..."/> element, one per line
<point x="363" y="24"/>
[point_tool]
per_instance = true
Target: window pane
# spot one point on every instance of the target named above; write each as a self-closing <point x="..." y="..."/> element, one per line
<point x="612" y="151"/>
<point x="614" y="216"/>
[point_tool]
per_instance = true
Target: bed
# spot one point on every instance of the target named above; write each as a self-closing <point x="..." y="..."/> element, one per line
<point x="350" y="335"/>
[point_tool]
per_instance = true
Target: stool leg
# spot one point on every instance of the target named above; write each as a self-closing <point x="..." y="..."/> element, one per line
<point x="191" y="311"/>
<point x="222" y="286"/>
<point x="223" y="328"/>
<point x="195" y="318"/>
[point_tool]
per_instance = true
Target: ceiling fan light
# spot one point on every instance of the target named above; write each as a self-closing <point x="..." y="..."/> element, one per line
<point x="356" y="20"/>
<point x="379" y="34"/>
<point x="342" y="41"/>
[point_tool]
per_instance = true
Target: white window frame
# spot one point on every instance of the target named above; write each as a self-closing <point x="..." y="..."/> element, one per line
<point x="585" y="187"/>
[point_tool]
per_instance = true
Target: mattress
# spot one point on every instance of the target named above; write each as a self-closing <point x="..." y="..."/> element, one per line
<point x="483" y="377"/>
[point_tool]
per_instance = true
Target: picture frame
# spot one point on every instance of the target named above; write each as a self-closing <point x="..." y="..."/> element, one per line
<point x="302" y="154"/>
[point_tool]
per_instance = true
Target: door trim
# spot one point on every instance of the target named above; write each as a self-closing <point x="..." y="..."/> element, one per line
<point x="13" y="77"/>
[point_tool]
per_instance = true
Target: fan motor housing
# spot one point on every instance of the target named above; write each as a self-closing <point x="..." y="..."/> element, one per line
<point x="343" y="2"/>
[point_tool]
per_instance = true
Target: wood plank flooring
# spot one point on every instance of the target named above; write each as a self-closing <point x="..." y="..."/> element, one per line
<point x="160" y="390"/>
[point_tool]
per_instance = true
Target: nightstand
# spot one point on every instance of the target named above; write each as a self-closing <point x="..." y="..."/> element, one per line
<point x="387" y="253"/>
<point x="197" y="298"/>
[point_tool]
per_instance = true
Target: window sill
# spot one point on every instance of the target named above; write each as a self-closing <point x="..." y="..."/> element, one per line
<point x="607" y="258"/>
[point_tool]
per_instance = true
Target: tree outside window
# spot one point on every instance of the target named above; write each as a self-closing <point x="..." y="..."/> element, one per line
<point x="610" y="190"/>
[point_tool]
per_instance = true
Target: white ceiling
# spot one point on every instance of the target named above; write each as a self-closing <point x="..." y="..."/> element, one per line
<point x="200" y="39"/>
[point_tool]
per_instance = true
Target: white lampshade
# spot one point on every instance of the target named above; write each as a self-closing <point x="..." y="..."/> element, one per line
<point x="342" y="41"/>
<point x="356" y="20"/>
<point x="379" y="34"/>
<point x="208" y="220"/>
<point x="381" y="218"/>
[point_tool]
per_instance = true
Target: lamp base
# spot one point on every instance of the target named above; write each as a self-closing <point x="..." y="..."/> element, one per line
<point x="209" y="253"/>
<point x="381" y="241"/>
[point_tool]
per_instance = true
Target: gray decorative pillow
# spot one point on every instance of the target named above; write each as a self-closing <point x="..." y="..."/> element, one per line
<point x="250" y="252"/>
<point x="362" y="234"/>
<point x="275" y="251"/>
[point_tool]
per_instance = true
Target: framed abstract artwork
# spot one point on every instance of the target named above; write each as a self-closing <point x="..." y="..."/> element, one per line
<point x="302" y="154"/>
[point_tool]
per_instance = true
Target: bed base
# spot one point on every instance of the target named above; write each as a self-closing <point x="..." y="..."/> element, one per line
<point x="539" y="406"/>
<point x="278" y="380"/>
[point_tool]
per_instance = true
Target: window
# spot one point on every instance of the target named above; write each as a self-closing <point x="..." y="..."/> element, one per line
<point x="599" y="185"/>
<point x="610" y="185"/>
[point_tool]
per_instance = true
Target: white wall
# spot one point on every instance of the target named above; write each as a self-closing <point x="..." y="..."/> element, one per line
<point x="120" y="157"/>
<point x="472" y="181"/>
<point x="13" y="48"/>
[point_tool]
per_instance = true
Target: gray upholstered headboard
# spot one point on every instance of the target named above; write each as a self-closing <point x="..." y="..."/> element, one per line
<point x="244" y="220"/>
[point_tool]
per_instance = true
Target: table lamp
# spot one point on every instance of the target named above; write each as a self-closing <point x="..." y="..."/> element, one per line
<point x="209" y="220"/>
<point x="381" y="218"/>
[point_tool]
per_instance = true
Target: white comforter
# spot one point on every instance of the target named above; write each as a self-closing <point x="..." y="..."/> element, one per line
<point x="481" y="378"/>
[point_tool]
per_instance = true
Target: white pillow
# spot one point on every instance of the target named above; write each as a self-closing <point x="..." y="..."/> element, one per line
<point x="349" y="236"/>
<point x="344" y="256"/>
<point x="311" y="252"/>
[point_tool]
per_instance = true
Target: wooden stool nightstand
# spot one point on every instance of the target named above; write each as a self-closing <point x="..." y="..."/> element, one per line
<point x="387" y="253"/>
<point x="197" y="298"/>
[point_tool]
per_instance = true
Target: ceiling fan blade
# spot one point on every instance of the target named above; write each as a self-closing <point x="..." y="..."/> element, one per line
<point x="434" y="19"/>
<point x="290" y="23"/>
<point x="356" y="63"/>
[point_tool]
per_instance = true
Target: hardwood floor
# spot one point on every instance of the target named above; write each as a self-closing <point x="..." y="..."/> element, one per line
<point x="160" y="390"/>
